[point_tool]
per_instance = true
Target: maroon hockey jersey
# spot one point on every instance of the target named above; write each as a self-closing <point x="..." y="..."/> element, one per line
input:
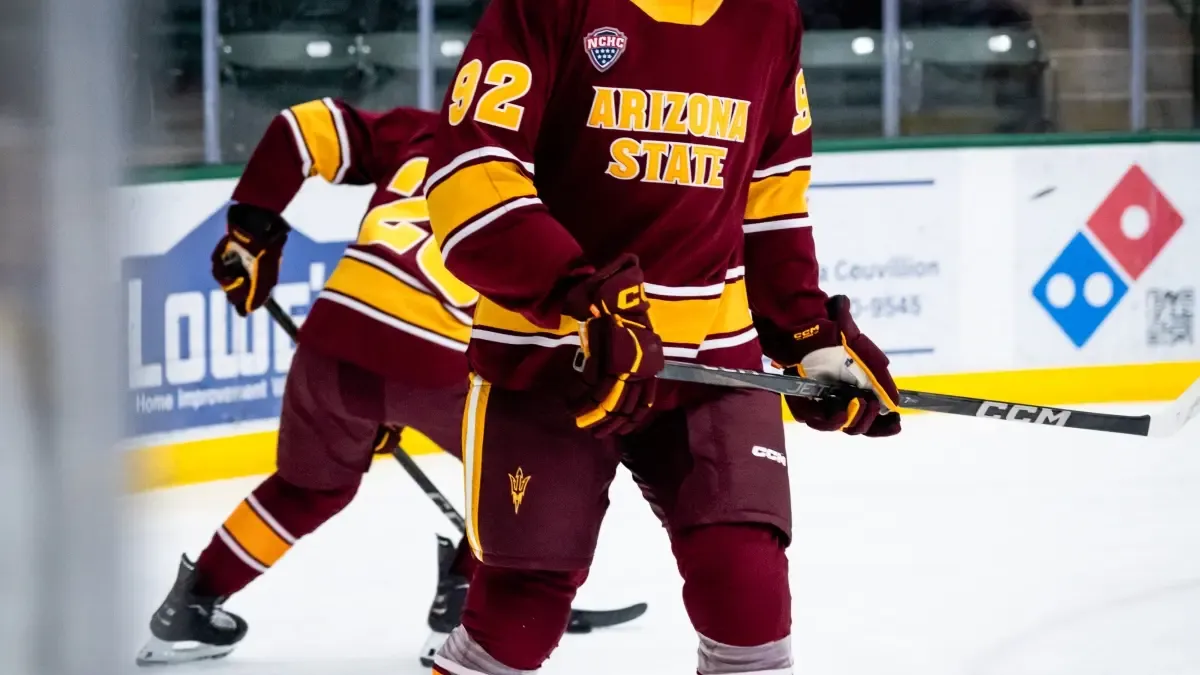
<point x="678" y="130"/>
<point x="390" y="305"/>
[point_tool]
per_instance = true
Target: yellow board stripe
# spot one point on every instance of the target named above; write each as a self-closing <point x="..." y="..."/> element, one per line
<point x="321" y="137"/>
<point x="388" y="294"/>
<point x="255" y="536"/>
<point x="776" y="196"/>
<point x="253" y="454"/>
<point x="473" y="428"/>
<point x="679" y="321"/>
<point x="231" y="456"/>
<point x="472" y="191"/>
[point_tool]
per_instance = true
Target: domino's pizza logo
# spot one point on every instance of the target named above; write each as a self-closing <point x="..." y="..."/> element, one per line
<point x="1089" y="278"/>
<point x="604" y="46"/>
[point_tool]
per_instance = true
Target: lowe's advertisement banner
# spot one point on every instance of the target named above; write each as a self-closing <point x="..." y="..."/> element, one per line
<point x="1109" y="258"/>
<point x="191" y="360"/>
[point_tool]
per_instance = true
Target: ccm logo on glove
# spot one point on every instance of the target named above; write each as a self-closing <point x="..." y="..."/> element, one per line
<point x="620" y="354"/>
<point x="833" y="349"/>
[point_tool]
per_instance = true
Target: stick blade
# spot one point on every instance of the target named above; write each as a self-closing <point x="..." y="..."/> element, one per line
<point x="1170" y="421"/>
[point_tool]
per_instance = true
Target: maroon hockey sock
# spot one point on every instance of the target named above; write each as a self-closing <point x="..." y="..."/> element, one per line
<point x="261" y="530"/>
<point x="735" y="583"/>
<point x="518" y="616"/>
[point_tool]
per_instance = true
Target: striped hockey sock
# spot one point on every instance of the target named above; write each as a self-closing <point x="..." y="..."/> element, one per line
<point x="262" y="528"/>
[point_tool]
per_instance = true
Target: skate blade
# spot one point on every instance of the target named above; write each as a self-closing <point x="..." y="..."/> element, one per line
<point x="161" y="653"/>
<point x="432" y="644"/>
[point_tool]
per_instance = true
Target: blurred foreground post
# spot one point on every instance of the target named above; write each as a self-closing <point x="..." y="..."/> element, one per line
<point x="59" y="317"/>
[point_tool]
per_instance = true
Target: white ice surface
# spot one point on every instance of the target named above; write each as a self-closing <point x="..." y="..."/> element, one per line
<point x="960" y="547"/>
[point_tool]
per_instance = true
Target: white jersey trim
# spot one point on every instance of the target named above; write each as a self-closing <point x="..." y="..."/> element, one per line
<point x="533" y="340"/>
<point x="306" y="162"/>
<point x="482" y="221"/>
<point x="786" y="167"/>
<point x="731" y="274"/>
<point x="387" y="267"/>
<point x="392" y="321"/>
<point x="712" y="344"/>
<point x="772" y="225"/>
<point x="454" y="164"/>
<point x="339" y="124"/>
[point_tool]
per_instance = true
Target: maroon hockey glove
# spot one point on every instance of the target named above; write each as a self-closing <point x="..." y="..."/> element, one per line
<point x="246" y="260"/>
<point x="620" y="354"/>
<point x="832" y="349"/>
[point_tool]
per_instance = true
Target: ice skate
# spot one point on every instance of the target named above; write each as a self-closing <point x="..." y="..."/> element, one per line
<point x="188" y="627"/>
<point x="446" y="611"/>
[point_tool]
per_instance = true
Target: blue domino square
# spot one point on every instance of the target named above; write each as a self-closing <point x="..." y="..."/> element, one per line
<point x="1080" y="290"/>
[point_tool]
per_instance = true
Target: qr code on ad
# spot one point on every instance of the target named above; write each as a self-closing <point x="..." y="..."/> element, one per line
<point x="1171" y="316"/>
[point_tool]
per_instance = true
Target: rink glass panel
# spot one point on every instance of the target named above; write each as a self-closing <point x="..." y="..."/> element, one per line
<point x="961" y="67"/>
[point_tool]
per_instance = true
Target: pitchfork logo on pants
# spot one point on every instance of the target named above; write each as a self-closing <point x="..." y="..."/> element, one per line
<point x="1127" y="232"/>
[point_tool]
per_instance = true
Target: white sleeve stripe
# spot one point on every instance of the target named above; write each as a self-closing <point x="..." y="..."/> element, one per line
<point x="735" y="273"/>
<point x="742" y="338"/>
<point x="454" y="164"/>
<point x="478" y="333"/>
<point x="339" y="124"/>
<point x="771" y="225"/>
<point x="482" y="221"/>
<point x="301" y="146"/>
<point x="786" y="167"/>
<point x="710" y="291"/>
<point x="386" y="267"/>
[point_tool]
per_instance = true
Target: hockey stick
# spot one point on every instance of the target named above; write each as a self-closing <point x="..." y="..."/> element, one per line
<point x="582" y="620"/>
<point x="1161" y="424"/>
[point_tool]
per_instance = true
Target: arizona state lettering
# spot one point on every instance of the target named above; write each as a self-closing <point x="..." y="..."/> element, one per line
<point x="669" y="112"/>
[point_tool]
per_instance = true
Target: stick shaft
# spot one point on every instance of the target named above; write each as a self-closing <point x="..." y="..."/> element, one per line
<point x="789" y="385"/>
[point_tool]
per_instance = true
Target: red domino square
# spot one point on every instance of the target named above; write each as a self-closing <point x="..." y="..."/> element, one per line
<point x="1135" y="190"/>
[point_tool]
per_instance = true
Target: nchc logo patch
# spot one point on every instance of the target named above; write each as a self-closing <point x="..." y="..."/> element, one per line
<point x="604" y="46"/>
<point x="1128" y="230"/>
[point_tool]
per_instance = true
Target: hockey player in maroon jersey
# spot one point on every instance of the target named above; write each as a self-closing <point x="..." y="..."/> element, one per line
<point x="382" y="345"/>
<point x="624" y="181"/>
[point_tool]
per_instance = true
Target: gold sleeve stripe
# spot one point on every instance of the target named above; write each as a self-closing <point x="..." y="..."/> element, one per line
<point x="474" y="419"/>
<point x="777" y="196"/>
<point x="391" y="296"/>
<point x="323" y="131"/>
<point x="678" y="321"/>
<point x="473" y="191"/>
<point x="255" y="536"/>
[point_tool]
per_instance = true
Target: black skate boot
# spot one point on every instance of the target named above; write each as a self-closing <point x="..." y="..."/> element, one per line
<point x="188" y="627"/>
<point x="446" y="611"/>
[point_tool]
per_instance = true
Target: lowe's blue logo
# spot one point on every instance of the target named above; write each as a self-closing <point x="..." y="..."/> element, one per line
<point x="191" y="361"/>
<point x="1130" y="228"/>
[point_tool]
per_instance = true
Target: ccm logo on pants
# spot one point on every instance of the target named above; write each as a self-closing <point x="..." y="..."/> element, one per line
<point x="767" y="453"/>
